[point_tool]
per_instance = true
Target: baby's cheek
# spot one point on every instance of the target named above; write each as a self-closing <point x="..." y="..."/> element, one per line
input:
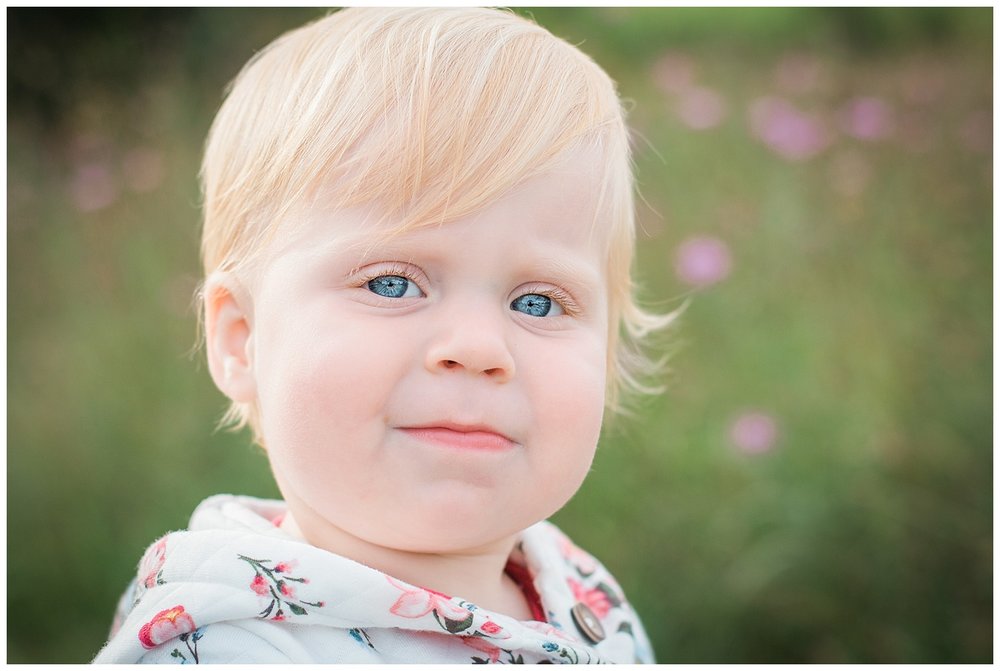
<point x="324" y="428"/>
<point x="316" y="390"/>
<point x="570" y="413"/>
<point x="574" y="388"/>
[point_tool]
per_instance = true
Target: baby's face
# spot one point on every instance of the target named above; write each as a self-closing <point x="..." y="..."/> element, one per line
<point x="445" y="390"/>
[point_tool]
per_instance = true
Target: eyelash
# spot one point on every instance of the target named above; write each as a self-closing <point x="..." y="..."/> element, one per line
<point x="570" y="306"/>
<point x="392" y="268"/>
<point x="399" y="269"/>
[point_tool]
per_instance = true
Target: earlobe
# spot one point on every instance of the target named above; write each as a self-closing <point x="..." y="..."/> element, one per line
<point x="228" y="338"/>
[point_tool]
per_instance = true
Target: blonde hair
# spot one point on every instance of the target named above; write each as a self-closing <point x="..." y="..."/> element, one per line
<point x="431" y="113"/>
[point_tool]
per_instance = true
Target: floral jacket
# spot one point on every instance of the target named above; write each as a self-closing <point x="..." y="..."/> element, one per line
<point x="234" y="588"/>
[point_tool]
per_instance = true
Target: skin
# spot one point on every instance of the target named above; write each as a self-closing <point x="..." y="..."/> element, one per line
<point x="343" y="377"/>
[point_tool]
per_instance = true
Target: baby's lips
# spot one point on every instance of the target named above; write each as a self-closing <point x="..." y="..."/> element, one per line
<point x="472" y="437"/>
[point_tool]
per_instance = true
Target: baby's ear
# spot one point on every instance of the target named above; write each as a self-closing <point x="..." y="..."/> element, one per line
<point x="228" y="337"/>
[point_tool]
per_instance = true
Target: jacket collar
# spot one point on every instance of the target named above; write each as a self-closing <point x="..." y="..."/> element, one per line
<point x="243" y="566"/>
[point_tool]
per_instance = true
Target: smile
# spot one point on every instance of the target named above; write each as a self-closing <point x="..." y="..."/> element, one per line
<point x="465" y="438"/>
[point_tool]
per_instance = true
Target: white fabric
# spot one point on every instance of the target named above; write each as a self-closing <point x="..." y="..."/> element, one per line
<point x="234" y="588"/>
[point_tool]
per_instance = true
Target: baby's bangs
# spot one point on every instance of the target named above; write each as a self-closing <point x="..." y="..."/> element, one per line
<point x="466" y="107"/>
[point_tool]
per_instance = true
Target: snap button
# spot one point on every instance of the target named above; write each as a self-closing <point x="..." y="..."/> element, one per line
<point x="587" y="623"/>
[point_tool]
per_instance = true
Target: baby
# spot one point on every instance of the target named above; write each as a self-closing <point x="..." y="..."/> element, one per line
<point x="419" y="228"/>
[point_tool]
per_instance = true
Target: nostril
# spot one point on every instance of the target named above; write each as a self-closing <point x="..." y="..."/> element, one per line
<point x="496" y="372"/>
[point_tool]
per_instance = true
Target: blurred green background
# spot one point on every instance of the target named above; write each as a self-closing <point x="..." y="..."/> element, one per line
<point x="815" y="486"/>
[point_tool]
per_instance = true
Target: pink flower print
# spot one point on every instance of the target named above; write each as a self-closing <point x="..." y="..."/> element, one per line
<point x="482" y="645"/>
<point x="165" y="625"/>
<point x="595" y="599"/>
<point x="286" y="566"/>
<point x="491" y="628"/>
<point x="583" y="562"/>
<point x="417" y="602"/>
<point x="260" y="585"/>
<point x="268" y="582"/>
<point x="152" y="562"/>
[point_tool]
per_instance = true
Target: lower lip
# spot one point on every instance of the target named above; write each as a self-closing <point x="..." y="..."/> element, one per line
<point x="463" y="440"/>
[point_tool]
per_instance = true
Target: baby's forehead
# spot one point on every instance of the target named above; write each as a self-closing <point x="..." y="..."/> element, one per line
<point x="570" y="193"/>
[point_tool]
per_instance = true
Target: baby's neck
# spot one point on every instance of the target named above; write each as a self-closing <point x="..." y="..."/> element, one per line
<point x="477" y="576"/>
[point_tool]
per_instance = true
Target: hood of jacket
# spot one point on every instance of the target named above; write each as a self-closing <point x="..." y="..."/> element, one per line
<point x="233" y="563"/>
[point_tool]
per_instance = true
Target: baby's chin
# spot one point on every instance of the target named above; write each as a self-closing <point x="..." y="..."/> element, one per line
<point x="446" y="517"/>
<point x="416" y="529"/>
<point x="449" y="531"/>
<point x="449" y="522"/>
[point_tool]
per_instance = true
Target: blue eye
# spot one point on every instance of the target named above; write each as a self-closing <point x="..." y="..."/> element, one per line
<point x="394" y="286"/>
<point x="536" y="305"/>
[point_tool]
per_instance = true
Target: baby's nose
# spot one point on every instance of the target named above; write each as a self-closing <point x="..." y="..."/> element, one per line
<point x="475" y="344"/>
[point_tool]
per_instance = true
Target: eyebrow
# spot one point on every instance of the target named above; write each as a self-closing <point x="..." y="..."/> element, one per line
<point x="582" y="280"/>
